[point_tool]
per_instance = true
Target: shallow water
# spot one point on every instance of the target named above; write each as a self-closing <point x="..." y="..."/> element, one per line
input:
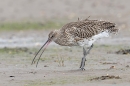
<point x="23" y="41"/>
<point x="33" y="41"/>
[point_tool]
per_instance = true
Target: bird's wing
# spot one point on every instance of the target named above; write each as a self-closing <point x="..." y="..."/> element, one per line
<point x="87" y="28"/>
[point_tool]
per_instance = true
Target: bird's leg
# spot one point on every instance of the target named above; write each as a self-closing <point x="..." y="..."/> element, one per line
<point x="84" y="57"/>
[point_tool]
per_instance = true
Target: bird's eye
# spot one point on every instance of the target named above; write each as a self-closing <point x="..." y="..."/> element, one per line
<point x="52" y="36"/>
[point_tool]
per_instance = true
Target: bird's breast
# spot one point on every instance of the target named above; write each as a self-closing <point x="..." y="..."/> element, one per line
<point x="66" y="41"/>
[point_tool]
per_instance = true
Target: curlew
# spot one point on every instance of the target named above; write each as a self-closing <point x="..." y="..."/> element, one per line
<point x="80" y="33"/>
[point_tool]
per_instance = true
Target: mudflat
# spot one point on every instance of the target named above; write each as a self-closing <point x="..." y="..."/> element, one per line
<point x="106" y="64"/>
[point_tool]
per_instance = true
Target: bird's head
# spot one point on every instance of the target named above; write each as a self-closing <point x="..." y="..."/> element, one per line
<point x="51" y="37"/>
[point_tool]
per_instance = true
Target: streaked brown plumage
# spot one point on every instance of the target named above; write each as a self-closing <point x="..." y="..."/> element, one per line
<point x="80" y="33"/>
<point x="81" y="29"/>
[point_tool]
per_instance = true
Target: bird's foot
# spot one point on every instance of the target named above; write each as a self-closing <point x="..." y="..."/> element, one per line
<point x="82" y="69"/>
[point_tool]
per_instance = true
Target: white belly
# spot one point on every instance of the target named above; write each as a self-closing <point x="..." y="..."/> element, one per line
<point x="89" y="42"/>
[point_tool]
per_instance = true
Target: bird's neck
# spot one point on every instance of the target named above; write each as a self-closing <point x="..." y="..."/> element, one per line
<point x="59" y="37"/>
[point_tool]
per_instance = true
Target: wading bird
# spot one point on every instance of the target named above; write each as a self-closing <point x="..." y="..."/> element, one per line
<point x="80" y="33"/>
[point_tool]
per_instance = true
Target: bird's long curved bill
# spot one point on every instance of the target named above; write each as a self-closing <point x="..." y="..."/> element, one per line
<point x="43" y="46"/>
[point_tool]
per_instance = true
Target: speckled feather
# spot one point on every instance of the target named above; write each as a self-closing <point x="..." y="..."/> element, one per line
<point x="73" y="32"/>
